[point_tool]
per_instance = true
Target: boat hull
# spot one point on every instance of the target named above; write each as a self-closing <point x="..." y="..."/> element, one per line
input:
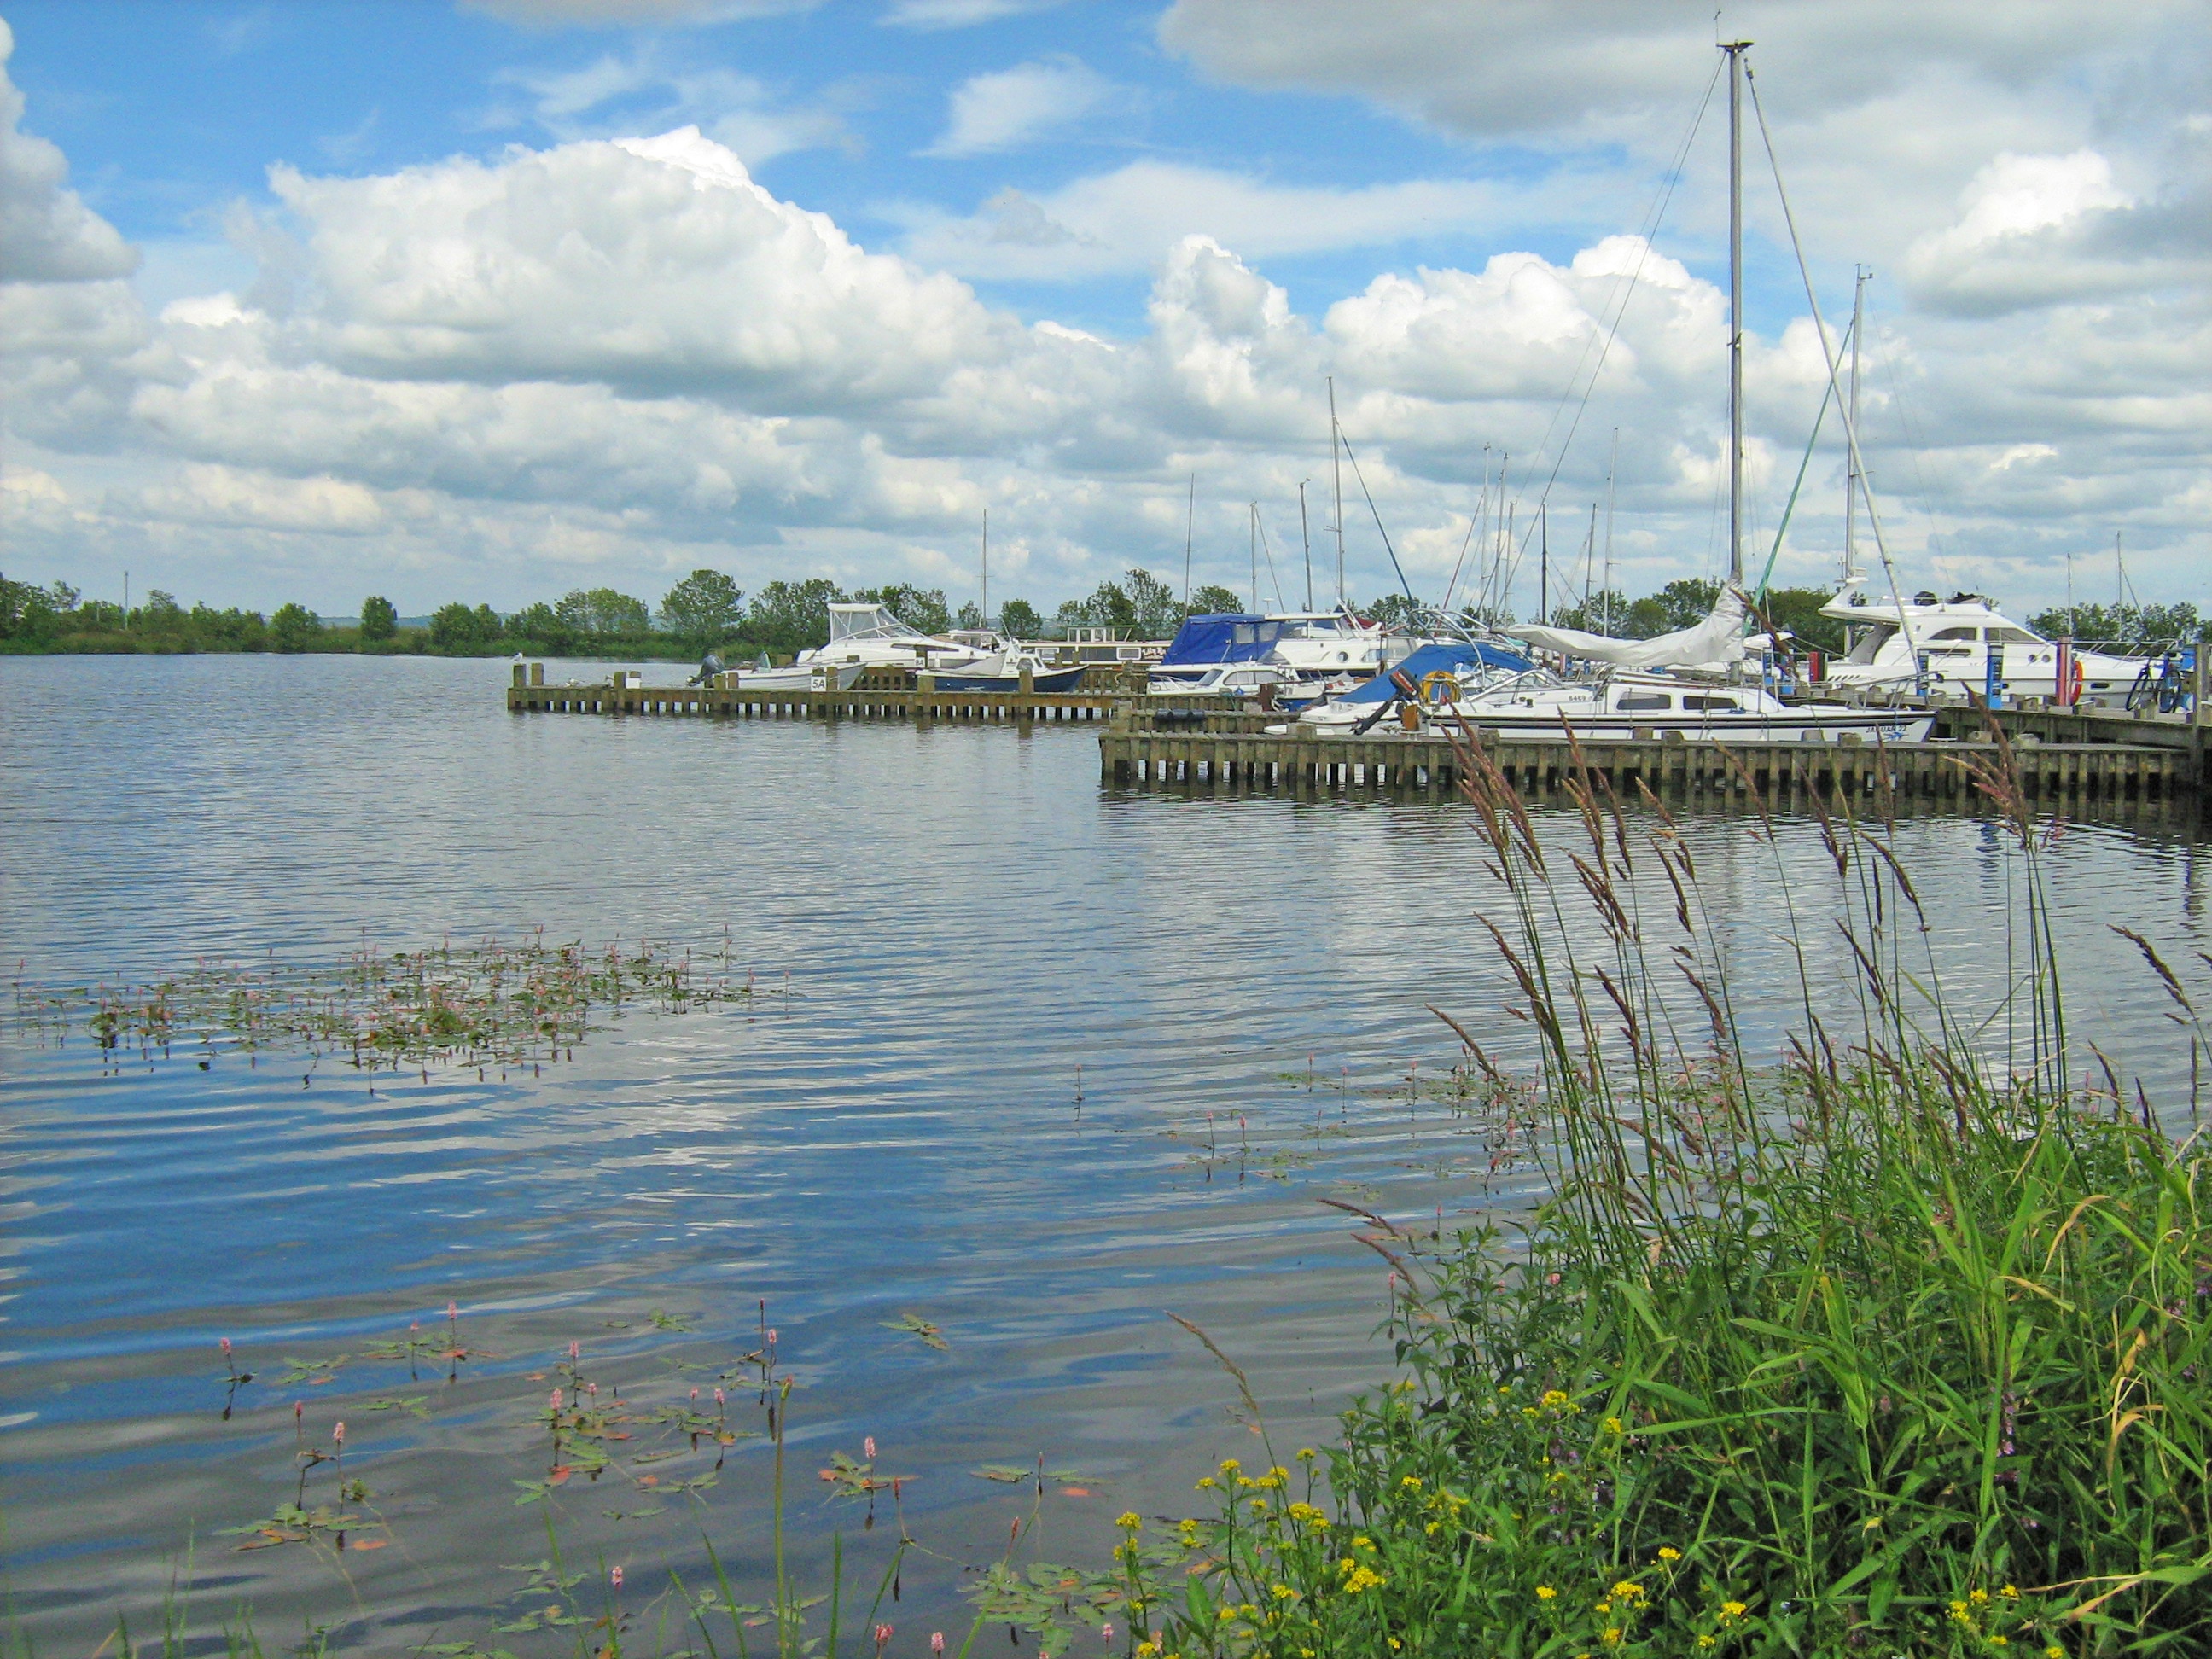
<point x="1803" y="725"/>
<point x="1050" y="679"/>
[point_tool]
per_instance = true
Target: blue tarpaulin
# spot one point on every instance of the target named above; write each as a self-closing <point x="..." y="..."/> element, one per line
<point x="1438" y="658"/>
<point x="1227" y="636"/>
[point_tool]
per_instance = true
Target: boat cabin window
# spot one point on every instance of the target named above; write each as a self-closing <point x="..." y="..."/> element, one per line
<point x="2012" y="636"/>
<point x="1709" y="702"/>
<point x="1953" y="634"/>
<point x="1645" y="701"/>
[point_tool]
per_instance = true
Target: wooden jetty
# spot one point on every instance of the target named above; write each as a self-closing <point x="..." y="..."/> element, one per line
<point x="887" y="697"/>
<point x="1220" y="751"/>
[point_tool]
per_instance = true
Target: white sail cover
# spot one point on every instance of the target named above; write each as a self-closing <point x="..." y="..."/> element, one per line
<point x="1717" y="641"/>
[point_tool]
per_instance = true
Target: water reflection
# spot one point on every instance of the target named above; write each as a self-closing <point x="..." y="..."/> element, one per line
<point x="966" y="919"/>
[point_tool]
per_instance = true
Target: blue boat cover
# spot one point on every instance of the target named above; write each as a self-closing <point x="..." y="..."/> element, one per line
<point x="1438" y="657"/>
<point x="1228" y="636"/>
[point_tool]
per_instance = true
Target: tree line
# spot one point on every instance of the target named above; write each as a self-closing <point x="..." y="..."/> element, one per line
<point x="707" y="611"/>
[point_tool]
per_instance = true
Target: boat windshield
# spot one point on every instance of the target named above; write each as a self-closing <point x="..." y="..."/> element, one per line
<point x="871" y="622"/>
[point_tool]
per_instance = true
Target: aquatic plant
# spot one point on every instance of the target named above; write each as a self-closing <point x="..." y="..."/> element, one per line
<point x="1900" y="1344"/>
<point x="505" y="1003"/>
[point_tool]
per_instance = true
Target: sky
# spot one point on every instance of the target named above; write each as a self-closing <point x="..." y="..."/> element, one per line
<point x="493" y="299"/>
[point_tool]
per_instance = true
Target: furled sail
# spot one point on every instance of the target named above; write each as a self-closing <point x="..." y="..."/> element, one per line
<point x="1717" y="641"/>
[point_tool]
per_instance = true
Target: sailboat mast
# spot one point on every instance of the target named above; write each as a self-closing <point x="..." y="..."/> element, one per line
<point x="1305" y="535"/>
<point x="1605" y="592"/>
<point x="1543" y="563"/>
<point x="1189" y="521"/>
<point x="1336" y="469"/>
<point x="1736" y="51"/>
<point x="1852" y="483"/>
<point x="985" y="605"/>
<point x="1252" y="536"/>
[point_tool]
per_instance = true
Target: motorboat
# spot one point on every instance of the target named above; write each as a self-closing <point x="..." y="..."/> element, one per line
<point x="1002" y="670"/>
<point x="800" y="676"/>
<point x="1324" y="644"/>
<point x="1953" y="638"/>
<point x="1536" y="705"/>
<point x="1215" y="640"/>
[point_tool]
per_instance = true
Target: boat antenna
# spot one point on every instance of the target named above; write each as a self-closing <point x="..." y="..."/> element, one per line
<point x="1305" y="535"/>
<point x="1852" y="483"/>
<point x="1336" y="469"/>
<point x="1735" y="49"/>
<point x="1189" y="519"/>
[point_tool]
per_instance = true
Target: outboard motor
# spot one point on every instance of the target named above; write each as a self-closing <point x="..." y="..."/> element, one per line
<point x="710" y="666"/>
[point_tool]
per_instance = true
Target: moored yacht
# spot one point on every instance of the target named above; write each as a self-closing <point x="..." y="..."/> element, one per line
<point x="1955" y="637"/>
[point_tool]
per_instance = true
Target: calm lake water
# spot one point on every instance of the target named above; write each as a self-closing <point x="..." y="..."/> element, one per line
<point x="1055" y="1059"/>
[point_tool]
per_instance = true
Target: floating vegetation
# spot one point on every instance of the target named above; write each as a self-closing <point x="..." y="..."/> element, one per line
<point x="497" y="1002"/>
<point x="916" y="1325"/>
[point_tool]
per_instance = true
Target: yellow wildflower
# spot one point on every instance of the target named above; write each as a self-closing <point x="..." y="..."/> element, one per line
<point x="1733" y="1609"/>
<point x="2009" y="1592"/>
<point x="1411" y="1482"/>
<point x="1230" y="1466"/>
<point x="1544" y="1592"/>
<point x="1360" y="1540"/>
<point x="1614" y="1425"/>
<point x="1669" y="1554"/>
<point x="1396" y="1644"/>
<point x="2054" y="1651"/>
<point x="1207" y="1483"/>
<point x="1612" y="1637"/>
<point x="1128" y="1520"/>
<point x="1979" y="1597"/>
<point x="1283" y="1593"/>
<point x="1307" y="1454"/>
<point x="1706" y="1642"/>
<point x="1628" y="1591"/>
<point x="1555" y="1399"/>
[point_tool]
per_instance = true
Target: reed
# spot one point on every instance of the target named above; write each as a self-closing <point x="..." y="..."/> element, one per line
<point x="1898" y="1344"/>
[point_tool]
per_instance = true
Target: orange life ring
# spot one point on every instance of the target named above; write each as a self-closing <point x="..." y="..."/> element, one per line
<point x="2078" y="678"/>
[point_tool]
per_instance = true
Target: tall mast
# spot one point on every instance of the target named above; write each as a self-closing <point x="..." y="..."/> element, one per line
<point x="1305" y="535"/>
<point x="1336" y="468"/>
<point x="1189" y="520"/>
<point x="986" y="605"/>
<point x="1252" y="536"/>
<point x="1852" y="483"/>
<point x="1605" y="588"/>
<point x="1543" y="563"/>
<point x="1735" y="50"/>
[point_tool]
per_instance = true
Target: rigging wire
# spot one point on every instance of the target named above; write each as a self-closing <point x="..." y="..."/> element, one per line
<point x="1403" y="584"/>
<point x="1620" y="310"/>
<point x="1833" y="362"/>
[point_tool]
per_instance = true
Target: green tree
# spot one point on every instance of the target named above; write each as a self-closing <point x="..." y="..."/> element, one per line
<point x="971" y="616"/>
<point x="456" y="630"/>
<point x="1600" y="613"/>
<point x="703" y="609"/>
<point x="228" y="630"/>
<point x="2120" y="624"/>
<point x="603" y="612"/>
<point x="1796" y="611"/>
<point x="917" y="607"/>
<point x="27" y="612"/>
<point x="294" y="627"/>
<point x="1214" y="600"/>
<point x="1394" y="610"/>
<point x="792" y="616"/>
<point x="1020" y="618"/>
<point x="1158" y="612"/>
<point x="379" y="620"/>
<point x="541" y="628"/>
<point x="1110" y="606"/>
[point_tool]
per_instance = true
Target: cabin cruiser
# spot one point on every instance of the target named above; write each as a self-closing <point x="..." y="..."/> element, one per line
<point x="1955" y="637"/>
<point x="1537" y="705"/>
<point x="1308" y="644"/>
<point x="862" y="637"/>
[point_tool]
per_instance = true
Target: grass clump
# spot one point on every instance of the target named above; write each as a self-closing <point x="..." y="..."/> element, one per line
<point x="1896" y="1346"/>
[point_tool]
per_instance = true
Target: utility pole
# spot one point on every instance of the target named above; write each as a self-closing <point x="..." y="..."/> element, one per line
<point x="1336" y="469"/>
<point x="1735" y="50"/>
<point x="1305" y="535"/>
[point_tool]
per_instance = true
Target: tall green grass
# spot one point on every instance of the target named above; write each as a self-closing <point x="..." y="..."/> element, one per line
<point x="1896" y="1345"/>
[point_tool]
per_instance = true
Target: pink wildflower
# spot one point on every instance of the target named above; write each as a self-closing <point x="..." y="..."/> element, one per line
<point x="226" y="1347"/>
<point x="614" y="1575"/>
<point x="868" y="1446"/>
<point x="937" y="1641"/>
<point x="1106" y="1629"/>
<point x="337" y="1435"/>
<point x="557" y="1400"/>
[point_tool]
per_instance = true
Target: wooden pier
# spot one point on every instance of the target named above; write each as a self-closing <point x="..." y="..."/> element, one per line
<point x="872" y="698"/>
<point x="1135" y="752"/>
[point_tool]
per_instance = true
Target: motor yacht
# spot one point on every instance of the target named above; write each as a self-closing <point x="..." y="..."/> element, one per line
<point x="1955" y="638"/>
